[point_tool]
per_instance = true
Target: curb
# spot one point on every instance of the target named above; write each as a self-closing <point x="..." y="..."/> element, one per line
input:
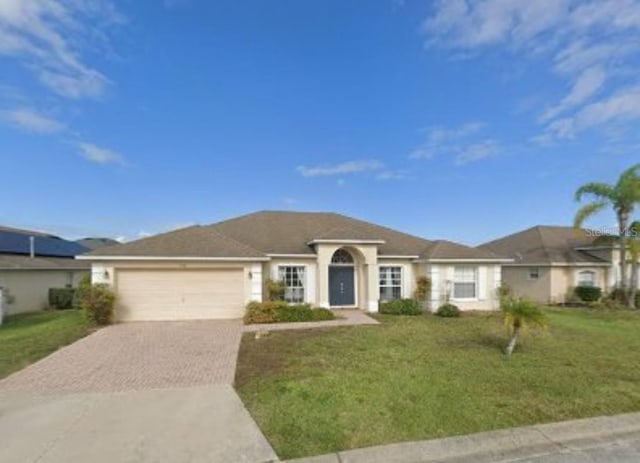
<point x="492" y="446"/>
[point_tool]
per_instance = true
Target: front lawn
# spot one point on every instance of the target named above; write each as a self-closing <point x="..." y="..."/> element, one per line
<point x="25" y="338"/>
<point x="413" y="378"/>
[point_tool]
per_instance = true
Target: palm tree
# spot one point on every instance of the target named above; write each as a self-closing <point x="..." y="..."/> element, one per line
<point x="634" y="251"/>
<point x="623" y="197"/>
<point x="520" y="314"/>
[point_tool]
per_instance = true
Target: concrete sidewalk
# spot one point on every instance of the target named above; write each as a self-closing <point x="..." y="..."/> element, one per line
<point x="605" y="439"/>
<point x="195" y="425"/>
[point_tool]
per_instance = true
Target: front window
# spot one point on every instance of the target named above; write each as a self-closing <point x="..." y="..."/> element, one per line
<point x="293" y="277"/>
<point x="464" y="283"/>
<point x="587" y="278"/>
<point x="390" y="283"/>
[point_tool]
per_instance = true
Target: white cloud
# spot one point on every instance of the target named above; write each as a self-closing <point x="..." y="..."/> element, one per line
<point x="50" y="37"/>
<point x="476" y="152"/>
<point x="32" y="121"/>
<point x="588" y="83"/>
<point x="351" y="167"/>
<point x="461" y="143"/>
<point x="99" y="155"/>
<point x="589" y="44"/>
<point x="392" y="175"/>
<point x="441" y="139"/>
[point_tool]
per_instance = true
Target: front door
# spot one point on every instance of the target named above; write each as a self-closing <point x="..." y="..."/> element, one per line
<point x="341" y="286"/>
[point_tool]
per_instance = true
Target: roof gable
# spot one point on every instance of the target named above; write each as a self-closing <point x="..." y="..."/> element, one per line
<point x="545" y="244"/>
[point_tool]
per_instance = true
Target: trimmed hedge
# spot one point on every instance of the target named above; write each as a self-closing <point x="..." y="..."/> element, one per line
<point x="401" y="307"/>
<point x="448" y="310"/>
<point x="588" y="293"/>
<point x="281" y="312"/>
<point x="61" y="298"/>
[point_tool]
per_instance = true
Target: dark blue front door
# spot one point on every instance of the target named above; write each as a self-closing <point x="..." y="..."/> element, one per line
<point x="341" y="287"/>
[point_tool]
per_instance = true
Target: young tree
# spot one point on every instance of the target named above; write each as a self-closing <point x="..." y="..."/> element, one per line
<point x="518" y="315"/>
<point x="623" y="197"/>
<point x="634" y="251"/>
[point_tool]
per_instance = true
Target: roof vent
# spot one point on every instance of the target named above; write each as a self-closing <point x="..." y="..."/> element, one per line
<point x="32" y="246"/>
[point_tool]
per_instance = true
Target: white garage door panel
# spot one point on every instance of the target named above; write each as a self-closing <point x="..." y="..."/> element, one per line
<point x="180" y="294"/>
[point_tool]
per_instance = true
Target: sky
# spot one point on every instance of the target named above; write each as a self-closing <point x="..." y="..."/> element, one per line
<point x="457" y="119"/>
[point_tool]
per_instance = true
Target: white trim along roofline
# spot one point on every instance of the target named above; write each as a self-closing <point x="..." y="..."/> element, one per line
<point x="561" y="264"/>
<point x="489" y="260"/>
<point x="335" y="241"/>
<point x="154" y="258"/>
<point x="293" y="256"/>
<point x="396" y="257"/>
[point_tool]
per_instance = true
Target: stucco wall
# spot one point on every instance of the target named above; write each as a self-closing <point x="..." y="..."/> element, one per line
<point x="517" y="278"/>
<point x="488" y="279"/>
<point x="28" y="290"/>
<point x="553" y="285"/>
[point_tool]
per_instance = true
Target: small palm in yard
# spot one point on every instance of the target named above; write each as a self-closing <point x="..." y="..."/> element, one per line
<point x="520" y="314"/>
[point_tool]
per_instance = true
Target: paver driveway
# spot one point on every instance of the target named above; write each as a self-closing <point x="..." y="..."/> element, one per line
<point x="136" y="356"/>
<point x="136" y="392"/>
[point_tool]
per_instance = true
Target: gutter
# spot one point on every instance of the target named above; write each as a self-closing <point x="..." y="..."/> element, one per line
<point x="159" y="258"/>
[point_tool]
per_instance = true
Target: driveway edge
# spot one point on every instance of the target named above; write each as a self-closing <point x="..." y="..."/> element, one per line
<point x="495" y="445"/>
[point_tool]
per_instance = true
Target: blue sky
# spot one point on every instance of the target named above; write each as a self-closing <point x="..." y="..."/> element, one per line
<point x="463" y="120"/>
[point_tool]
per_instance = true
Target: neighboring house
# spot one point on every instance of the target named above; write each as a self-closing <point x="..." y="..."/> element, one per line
<point x="96" y="243"/>
<point x="325" y="259"/>
<point x="549" y="261"/>
<point x="32" y="262"/>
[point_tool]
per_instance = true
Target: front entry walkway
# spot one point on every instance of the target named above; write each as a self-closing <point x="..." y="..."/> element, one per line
<point x="346" y="318"/>
<point x="136" y="392"/>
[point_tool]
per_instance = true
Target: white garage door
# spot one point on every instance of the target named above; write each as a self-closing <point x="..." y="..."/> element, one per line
<point x="179" y="294"/>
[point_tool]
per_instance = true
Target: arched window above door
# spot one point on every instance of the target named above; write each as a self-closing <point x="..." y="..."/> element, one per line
<point x="342" y="256"/>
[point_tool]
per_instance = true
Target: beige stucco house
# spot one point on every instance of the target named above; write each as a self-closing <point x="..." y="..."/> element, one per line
<point x="550" y="261"/>
<point x="31" y="263"/>
<point x="325" y="259"/>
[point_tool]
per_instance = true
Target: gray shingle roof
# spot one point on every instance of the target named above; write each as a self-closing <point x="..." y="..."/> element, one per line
<point x="194" y="241"/>
<point x="22" y="262"/>
<point x="545" y="245"/>
<point x="284" y="232"/>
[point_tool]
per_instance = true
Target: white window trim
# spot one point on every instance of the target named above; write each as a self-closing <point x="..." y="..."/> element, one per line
<point x="305" y="282"/>
<point x="587" y="270"/>
<point x="401" y="267"/>
<point x="453" y="285"/>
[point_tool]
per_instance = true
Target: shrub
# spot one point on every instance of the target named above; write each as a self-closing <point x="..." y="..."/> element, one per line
<point x="281" y="312"/>
<point x="618" y="295"/>
<point x="448" y="310"/>
<point x="275" y="290"/>
<point x="423" y="288"/>
<point x="97" y="302"/>
<point x="84" y="286"/>
<point x="588" y="293"/>
<point x="321" y="314"/>
<point x="401" y="307"/>
<point x="61" y="298"/>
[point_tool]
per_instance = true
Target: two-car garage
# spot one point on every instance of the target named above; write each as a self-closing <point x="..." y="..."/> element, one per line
<point x="184" y="294"/>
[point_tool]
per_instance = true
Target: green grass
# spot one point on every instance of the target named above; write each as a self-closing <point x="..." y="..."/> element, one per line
<point x="412" y="378"/>
<point x="25" y="338"/>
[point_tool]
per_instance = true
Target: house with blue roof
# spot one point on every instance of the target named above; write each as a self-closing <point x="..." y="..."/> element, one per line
<point x="31" y="263"/>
